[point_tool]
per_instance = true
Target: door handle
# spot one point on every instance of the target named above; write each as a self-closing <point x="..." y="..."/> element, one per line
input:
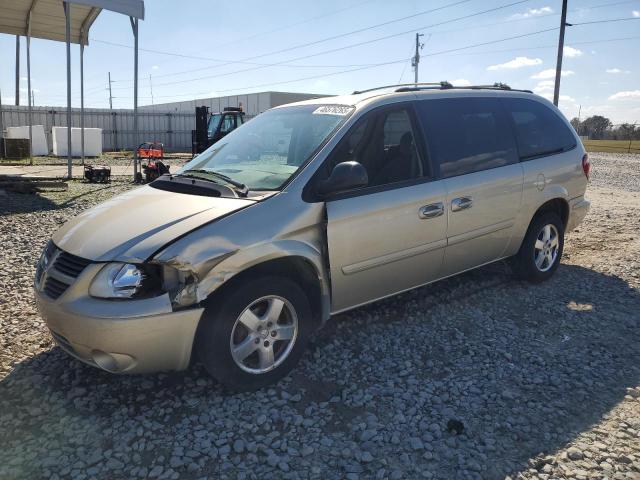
<point x="432" y="210"/>
<point x="461" y="203"/>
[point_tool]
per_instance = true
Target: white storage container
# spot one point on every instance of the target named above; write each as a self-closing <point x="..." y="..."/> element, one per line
<point x="92" y="141"/>
<point x="39" y="143"/>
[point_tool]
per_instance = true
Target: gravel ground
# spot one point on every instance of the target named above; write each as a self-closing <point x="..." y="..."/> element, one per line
<point x="479" y="376"/>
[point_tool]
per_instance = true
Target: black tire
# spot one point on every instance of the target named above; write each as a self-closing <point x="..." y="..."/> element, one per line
<point x="524" y="264"/>
<point x="213" y="341"/>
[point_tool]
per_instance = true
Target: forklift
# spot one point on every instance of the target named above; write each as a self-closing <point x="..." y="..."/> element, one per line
<point x="212" y="127"/>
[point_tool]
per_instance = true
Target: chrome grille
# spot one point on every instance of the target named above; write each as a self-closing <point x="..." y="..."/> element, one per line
<point x="59" y="275"/>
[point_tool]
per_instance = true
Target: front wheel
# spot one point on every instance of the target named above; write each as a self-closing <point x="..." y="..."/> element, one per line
<point x="255" y="334"/>
<point x="541" y="249"/>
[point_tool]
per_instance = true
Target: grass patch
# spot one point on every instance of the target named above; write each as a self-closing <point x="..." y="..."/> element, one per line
<point x="612" y="146"/>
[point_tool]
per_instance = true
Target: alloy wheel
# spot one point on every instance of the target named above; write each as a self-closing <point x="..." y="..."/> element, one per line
<point x="264" y="334"/>
<point x="546" y="247"/>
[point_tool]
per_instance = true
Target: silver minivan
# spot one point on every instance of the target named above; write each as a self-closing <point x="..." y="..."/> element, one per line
<point x="308" y="210"/>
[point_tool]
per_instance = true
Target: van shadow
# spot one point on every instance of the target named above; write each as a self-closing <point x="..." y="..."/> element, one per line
<point x="525" y="368"/>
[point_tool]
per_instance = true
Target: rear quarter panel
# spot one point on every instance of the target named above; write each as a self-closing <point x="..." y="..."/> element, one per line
<point x="548" y="178"/>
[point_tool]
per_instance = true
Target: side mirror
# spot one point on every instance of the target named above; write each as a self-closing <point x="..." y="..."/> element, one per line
<point x="345" y="176"/>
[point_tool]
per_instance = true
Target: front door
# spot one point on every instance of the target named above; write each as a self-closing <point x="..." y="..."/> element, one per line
<point x="472" y="143"/>
<point x="389" y="236"/>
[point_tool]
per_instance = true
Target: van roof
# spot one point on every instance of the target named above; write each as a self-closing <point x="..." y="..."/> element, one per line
<point x="364" y="96"/>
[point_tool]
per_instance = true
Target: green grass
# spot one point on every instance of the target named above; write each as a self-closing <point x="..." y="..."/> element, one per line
<point x="613" y="146"/>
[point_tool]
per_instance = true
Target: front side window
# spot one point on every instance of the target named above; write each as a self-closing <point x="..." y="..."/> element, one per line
<point x="269" y="149"/>
<point x="385" y="144"/>
<point x="467" y="135"/>
<point x="228" y="124"/>
<point x="539" y="130"/>
<point x="214" y="121"/>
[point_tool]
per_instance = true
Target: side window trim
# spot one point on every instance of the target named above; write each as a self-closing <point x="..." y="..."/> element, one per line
<point x="432" y="165"/>
<point x="374" y="116"/>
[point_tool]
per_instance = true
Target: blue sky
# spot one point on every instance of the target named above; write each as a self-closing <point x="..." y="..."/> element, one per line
<point x="239" y="43"/>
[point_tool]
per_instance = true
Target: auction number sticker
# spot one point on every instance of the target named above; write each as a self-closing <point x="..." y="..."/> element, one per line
<point x="333" y="110"/>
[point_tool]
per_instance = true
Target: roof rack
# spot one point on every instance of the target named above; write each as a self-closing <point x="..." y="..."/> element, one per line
<point x="432" y="84"/>
<point x="444" y="85"/>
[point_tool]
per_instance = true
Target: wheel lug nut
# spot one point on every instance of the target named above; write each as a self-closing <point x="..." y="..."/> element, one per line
<point x="274" y="333"/>
<point x="266" y="344"/>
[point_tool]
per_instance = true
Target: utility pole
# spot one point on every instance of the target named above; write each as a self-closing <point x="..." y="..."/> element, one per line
<point x="17" y="69"/>
<point x="33" y="98"/>
<point x="563" y="24"/>
<point x="110" y="97"/>
<point x="415" y="61"/>
<point x="114" y="134"/>
<point x="151" y="86"/>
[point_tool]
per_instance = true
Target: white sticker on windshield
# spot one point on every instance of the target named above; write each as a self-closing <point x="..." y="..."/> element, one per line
<point x="333" y="110"/>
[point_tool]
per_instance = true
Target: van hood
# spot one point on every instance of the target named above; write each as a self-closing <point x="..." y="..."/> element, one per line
<point x="132" y="226"/>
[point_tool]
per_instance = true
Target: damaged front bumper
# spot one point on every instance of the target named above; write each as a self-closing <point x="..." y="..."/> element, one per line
<point x="132" y="336"/>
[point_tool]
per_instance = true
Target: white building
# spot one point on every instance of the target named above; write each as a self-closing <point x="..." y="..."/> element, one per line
<point x="252" y="103"/>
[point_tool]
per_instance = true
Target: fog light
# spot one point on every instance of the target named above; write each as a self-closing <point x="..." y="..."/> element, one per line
<point x="104" y="361"/>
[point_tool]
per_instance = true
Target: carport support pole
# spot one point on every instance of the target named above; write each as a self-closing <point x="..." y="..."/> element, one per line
<point x="67" y="16"/>
<point x="29" y="91"/>
<point x="134" y="26"/>
<point x="3" y="154"/>
<point x="17" y="99"/>
<point x="82" y="101"/>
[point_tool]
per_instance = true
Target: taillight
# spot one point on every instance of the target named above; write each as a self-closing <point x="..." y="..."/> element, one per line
<point x="586" y="165"/>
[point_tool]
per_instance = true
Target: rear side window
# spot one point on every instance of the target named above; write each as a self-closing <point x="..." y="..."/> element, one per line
<point x="467" y="135"/>
<point x="539" y="130"/>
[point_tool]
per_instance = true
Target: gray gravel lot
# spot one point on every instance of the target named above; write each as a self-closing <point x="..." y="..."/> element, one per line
<point x="478" y="376"/>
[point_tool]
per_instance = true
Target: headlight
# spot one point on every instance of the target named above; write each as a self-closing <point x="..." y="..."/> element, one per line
<point x="125" y="280"/>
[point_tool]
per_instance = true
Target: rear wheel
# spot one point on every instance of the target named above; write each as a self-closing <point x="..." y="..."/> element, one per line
<point x="255" y="334"/>
<point x="541" y="250"/>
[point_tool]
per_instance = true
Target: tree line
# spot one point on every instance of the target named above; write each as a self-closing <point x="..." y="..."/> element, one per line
<point x="598" y="127"/>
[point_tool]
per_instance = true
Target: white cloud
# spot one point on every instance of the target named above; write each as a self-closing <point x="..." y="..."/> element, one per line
<point x="633" y="94"/>
<point x="616" y="71"/>
<point x="636" y="13"/>
<point x="460" y="82"/>
<point x="550" y="73"/>
<point x="532" y="12"/>
<point x="544" y="86"/>
<point x="571" y="52"/>
<point x="562" y="99"/>
<point x="517" y="62"/>
<point x="155" y="67"/>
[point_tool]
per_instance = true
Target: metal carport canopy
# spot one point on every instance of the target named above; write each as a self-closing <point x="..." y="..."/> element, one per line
<point x="66" y="21"/>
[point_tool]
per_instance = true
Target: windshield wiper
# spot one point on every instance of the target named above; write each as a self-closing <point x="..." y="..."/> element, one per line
<point x="241" y="188"/>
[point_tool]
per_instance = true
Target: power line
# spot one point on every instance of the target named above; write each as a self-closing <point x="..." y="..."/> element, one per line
<point x="366" y="42"/>
<point x="536" y="17"/>
<point x="295" y="24"/>
<point x="503" y="50"/>
<point x="229" y="62"/>
<point x="364" y="29"/>
<point x="195" y="57"/>
<point x="244" y="60"/>
<point x="441" y="52"/>
<point x="606" y="21"/>
<point x="590" y="42"/>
